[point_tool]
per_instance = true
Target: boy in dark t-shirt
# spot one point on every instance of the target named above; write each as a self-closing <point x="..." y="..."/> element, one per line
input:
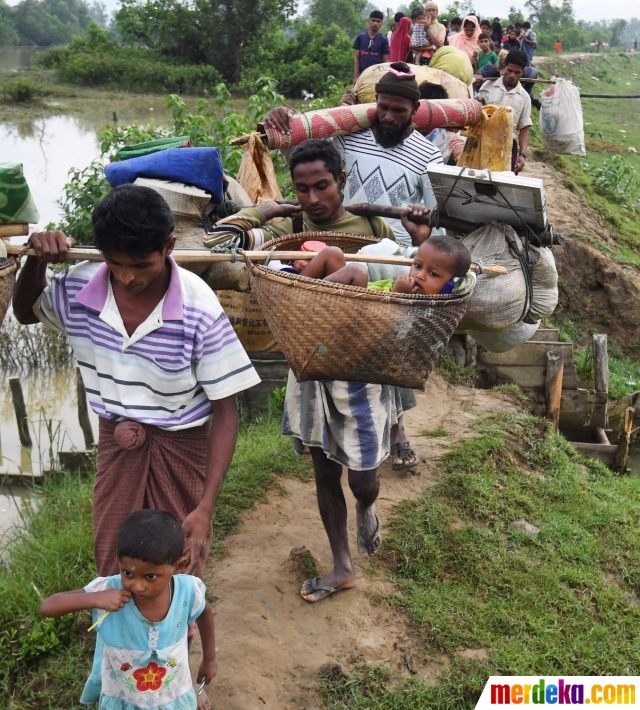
<point x="370" y="47"/>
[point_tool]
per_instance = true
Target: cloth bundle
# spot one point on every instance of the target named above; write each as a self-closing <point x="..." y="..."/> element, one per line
<point x="325" y="123"/>
<point x="192" y="166"/>
<point x="498" y="303"/>
<point x="365" y="87"/>
<point x="455" y="62"/>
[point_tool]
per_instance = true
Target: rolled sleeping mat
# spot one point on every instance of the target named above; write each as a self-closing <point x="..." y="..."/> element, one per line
<point x="341" y="120"/>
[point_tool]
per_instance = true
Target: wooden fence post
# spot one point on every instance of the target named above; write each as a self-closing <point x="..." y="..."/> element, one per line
<point x="553" y="386"/>
<point x="601" y="363"/>
<point x="21" y="411"/>
<point x="83" y="411"/>
<point x="624" y="445"/>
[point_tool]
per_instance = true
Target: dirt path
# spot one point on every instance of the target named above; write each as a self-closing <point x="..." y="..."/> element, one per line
<point x="271" y="642"/>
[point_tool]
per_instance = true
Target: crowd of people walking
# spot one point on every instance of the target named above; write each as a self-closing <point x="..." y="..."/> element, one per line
<point x="415" y="39"/>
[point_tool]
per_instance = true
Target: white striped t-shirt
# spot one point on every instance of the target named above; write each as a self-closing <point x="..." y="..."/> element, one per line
<point x="388" y="176"/>
<point x="183" y="355"/>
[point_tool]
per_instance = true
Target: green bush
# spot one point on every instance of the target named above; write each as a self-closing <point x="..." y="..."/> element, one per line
<point x="22" y="91"/>
<point x="98" y="60"/>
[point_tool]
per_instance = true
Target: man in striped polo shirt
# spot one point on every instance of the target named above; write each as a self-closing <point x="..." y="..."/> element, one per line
<point x="160" y="362"/>
<point x="386" y="165"/>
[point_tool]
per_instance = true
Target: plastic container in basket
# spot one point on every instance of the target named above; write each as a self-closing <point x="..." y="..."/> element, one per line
<point x="8" y="268"/>
<point x="332" y="332"/>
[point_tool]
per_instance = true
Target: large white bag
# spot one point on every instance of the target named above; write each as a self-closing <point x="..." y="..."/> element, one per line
<point x="561" y="125"/>
<point x="498" y="302"/>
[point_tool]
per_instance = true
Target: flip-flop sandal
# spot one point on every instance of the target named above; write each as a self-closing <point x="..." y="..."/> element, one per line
<point x="315" y="587"/>
<point x="364" y="545"/>
<point x="402" y="450"/>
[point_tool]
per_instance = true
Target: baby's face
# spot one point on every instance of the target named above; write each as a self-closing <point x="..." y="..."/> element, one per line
<point x="421" y="18"/>
<point x="431" y="269"/>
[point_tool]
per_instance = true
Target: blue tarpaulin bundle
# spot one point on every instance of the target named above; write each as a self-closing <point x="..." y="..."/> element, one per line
<point x="200" y="167"/>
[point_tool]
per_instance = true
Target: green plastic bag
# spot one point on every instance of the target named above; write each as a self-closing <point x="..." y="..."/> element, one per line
<point x="135" y="151"/>
<point x="16" y="203"/>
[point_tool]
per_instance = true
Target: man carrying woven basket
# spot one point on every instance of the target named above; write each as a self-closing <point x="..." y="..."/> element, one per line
<point x="386" y="165"/>
<point x="343" y="423"/>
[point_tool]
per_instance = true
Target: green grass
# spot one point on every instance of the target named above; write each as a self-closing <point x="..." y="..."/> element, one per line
<point x="434" y="433"/>
<point x="555" y="604"/>
<point x="45" y="662"/>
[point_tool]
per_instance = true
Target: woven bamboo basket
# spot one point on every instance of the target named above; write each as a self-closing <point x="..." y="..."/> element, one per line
<point x="333" y="332"/>
<point x="8" y="268"/>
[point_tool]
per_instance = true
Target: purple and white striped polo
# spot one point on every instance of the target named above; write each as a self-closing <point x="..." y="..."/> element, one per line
<point x="183" y="355"/>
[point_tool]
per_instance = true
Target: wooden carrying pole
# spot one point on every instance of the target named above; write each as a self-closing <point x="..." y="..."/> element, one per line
<point x="191" y="256"/>
<point x="21" y="411"/>
<point x="553" y="386"/>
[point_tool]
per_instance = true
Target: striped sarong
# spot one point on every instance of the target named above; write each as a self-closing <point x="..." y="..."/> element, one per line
<point x="349" y="421"/>
<point x="163" y="470"/>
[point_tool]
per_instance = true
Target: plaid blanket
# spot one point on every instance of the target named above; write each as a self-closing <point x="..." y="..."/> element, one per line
<point x="349" y="421"/>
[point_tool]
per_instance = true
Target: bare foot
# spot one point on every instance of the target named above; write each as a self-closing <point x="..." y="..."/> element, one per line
<point x="203" y="699"/>
<point x="332" y="582"/>
<point x="369" y="537"/>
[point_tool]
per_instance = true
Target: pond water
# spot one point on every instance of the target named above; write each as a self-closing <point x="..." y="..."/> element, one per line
<point x="51" y="403"/>
<point x="49" y="146"/>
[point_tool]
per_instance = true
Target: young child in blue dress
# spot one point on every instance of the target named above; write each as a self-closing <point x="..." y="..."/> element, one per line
<point x="142" y="658"/>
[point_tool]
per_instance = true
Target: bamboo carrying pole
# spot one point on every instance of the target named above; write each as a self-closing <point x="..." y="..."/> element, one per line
<point x="553" y="386"/>
<point x="83" y="411"/>
<point x="14" y="230"/>
<point x="190" y="256"/>
<point x="21" y="411"/>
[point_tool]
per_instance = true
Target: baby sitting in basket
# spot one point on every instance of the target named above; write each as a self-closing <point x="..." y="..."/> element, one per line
<point x="440" y="266"/>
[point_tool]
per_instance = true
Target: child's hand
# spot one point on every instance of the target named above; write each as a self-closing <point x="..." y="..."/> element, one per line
<point x="207" y="671"/>
<point x="111" y="599"/>
<point x="299" y="264"/>
<point x="404" y="284"/>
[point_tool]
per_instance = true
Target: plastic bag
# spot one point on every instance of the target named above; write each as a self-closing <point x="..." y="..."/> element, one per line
<point x="561" y="124"/>
<point x="16" y="202"/>
<point x="453" y="61"/>
<point x="256" y="174"/>
<point x="489" y="142"/>
<point x="365" y="87"/>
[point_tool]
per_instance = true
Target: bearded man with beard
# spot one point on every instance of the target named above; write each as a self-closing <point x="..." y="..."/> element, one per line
<point x="387" y="163"/>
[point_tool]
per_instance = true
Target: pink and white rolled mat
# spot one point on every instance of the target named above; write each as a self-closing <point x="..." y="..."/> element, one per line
<point x="338" y="121"/>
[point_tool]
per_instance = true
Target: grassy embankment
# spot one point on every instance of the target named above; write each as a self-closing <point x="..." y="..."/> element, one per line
<point x="611" y="128"/>
<point x="45" y="662"/>
<point x="561" y="603"/>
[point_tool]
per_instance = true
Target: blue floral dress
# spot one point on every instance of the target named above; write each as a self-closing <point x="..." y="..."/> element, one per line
<point x="144" y="664"/>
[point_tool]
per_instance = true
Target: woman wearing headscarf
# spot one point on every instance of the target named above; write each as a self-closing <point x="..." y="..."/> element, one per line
<point x="496" y="33"/>
<point x="467" y="40"/>
<point x="400" y="41"/>
<point x="436" y="32"/>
